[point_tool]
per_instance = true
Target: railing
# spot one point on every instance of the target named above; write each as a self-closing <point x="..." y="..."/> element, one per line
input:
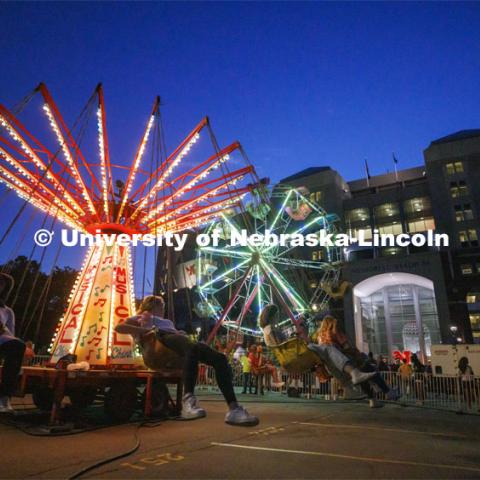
<point x="426" y="390"/>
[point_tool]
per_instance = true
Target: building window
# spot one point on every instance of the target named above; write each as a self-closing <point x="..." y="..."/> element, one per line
<point x="388" y="252"/>
<point x="416" y="206"/>
<point x="316" y="197"/>
<point x="421" y="225"/>
<point x="366" y="232"/>
<point x="473" y="297"/>
<point x="390" y="318"/>
<point x="317" y="255"/>
<point x="458" y="189"/>
<point x="475" y="325"/>
<point x="395" y="228"/>
<point x="468" y="237"/>
<point x="386" y="210"/>
<point x="357" y="215"/>
<point x="466" y="269"/>
<point x="463" y="212"/>
<point x="456" y="167"/>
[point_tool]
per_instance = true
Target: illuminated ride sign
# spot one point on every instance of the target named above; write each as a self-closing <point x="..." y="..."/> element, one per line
<point x="102" y="297"/>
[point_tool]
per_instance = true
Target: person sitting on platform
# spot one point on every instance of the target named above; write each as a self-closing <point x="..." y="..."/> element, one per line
<point x="150" y="317"/>
<point x="339" y="365"/>
<point x="11" y="347"/>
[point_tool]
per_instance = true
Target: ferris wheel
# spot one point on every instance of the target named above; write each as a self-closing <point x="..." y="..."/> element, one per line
<point x="235" y="283"/>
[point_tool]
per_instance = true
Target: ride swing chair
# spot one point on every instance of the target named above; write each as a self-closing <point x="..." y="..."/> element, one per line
<point x="235" y="283"/>
<point x="74" y="184"/>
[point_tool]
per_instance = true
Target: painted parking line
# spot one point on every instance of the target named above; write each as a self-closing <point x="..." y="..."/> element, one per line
<point x="351" y="457"/>
<point x="395" y="430"/>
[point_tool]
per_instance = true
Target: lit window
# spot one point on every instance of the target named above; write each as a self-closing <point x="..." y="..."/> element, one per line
<point x="454" y="190"/>
<point x="459" y="189"/>
<point x="472" y="234"/>
<point x="415" y="206"/>
<point x="466" y="268"/>
<point x="366" y="232"/>
<point x="394" y="228"/>
<point x="463" y="212"/>
<point x="388" y="252"/>
<point x="357" y="215"/>
<point x="467" y="211"/>
<point x="475" y="321"/>
<point x="473" y="297"/>
<point x="314" y="256"/>
<point x="316" y="197"/>
<point x="462" y="188"/>
<point x="421" y="225"/>
<point x="386" y="210"/>
<point x="452" y="168"/>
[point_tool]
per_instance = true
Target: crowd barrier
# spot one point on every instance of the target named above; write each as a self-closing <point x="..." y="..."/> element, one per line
<point x="445" y="392"/>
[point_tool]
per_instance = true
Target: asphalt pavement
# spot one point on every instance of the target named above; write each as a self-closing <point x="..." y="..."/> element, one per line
<point x="295" y="439"/>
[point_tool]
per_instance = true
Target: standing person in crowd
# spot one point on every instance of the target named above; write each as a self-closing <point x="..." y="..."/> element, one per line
<point x="405" y="371"/>
<point x="150" y="317"/>
<point x="246" y="373"/>
<point x="382" y="364"/>
<point x="467" y="385"/>
<point x="11" y="347"/>
<point x="419" y="375"/>
<point x="259" y="370"/>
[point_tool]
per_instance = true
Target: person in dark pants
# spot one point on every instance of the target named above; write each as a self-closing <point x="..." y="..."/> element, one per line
<point x="150" y="317"/>
<point x="11" y="348"/>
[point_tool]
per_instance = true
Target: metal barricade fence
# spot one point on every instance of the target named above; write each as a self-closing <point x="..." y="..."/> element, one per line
<point x="445" y="392"/>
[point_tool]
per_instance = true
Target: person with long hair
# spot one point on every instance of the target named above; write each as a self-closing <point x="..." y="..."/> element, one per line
<point x="151" y="316"/>
<point x="12" y="348"/>
<point x="329" y="333"/>
<point x="339" y="365"/>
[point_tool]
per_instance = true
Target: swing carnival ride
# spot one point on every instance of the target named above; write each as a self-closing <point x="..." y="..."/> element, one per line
<point x="172" y="194"/>
<point x="236" y="283"/>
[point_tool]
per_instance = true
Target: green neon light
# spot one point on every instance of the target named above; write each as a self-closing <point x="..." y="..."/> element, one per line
<point x="280" y="210"/>
<point x="240" y="265"/>
<point x="289" y="291"/>
<point x="227" y="252"/>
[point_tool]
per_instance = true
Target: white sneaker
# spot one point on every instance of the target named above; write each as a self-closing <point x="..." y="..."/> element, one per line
<point x="190" y="409"/>
<point x="240" y="416"/>
<point x="5" y="405"/>
<point x="360" y="377"/>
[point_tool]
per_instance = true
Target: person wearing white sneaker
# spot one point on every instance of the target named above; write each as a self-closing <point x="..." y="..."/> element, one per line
<point x="337" y="363"/>
<point x="150" y="317"/>
<point x="11" y="348"/>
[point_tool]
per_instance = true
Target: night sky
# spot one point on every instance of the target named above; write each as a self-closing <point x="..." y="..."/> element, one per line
<point x="298" y="84"/>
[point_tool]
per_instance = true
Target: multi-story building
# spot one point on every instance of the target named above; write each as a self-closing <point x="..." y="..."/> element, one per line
<point x="409" y="298"/>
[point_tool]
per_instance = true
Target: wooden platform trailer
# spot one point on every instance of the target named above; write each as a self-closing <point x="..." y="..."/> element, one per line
<point x="123" y="390"/>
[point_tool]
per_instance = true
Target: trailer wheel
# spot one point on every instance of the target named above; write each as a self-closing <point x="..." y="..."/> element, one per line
<point x="43" y="397"/>
<point x="159" y="400"/>
<point x="121" y="401"/>
<point x="83" y="397"/>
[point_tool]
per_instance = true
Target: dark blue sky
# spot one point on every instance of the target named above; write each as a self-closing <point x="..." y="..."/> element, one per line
<point x="299" y="84"/>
